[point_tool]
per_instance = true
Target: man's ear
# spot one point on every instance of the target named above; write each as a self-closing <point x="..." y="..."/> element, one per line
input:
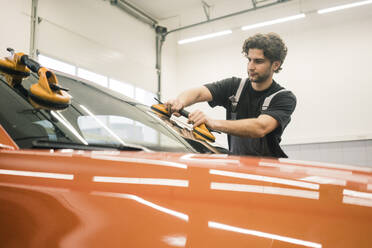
<point x="276" y="65"/>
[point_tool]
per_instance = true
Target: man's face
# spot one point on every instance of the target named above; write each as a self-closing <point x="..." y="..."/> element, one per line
<point x="259" y="68"/>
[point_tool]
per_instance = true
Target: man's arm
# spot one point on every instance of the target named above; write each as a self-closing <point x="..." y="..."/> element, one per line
<point x="189" y="97"/>
<point x="252" y="127"/>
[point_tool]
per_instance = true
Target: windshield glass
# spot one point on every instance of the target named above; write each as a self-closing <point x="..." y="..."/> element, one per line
<point x="95" y="116"/>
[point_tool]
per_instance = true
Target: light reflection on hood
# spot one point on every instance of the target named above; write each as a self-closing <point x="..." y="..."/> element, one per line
<point x="221" y="226"/>
<point x="265" y="190"/>
<point x="140" y="200"/>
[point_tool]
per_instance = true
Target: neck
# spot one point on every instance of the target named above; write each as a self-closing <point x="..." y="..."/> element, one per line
<point x="262" y="86"/>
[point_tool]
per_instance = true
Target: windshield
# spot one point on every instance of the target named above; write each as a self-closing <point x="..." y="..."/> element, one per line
<point x="95" y="116"/>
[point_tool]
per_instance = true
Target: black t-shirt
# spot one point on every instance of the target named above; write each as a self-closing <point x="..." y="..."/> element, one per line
<point x="250" y="106"/>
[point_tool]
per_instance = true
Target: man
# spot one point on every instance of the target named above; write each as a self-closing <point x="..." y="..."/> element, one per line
<point x="255" y="125"/>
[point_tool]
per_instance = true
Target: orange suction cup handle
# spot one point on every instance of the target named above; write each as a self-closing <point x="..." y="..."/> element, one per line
<point x="203" y="133"/>
<point x="160" y="109"/>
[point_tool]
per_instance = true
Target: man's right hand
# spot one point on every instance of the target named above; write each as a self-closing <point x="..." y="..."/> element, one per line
<point x="174" y="106"/>
<point x="187" y="98"/>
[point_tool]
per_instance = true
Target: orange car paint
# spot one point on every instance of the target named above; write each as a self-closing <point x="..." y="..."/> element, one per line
<point x="70" y="198"/>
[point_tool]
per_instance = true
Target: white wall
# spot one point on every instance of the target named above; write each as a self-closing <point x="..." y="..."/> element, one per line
<point x="15" y="25"/>
<point x="91" y="34"/>
<point x="97" y="36"/>
<point x="327" y="67"/>
<point x="357" y="152"/>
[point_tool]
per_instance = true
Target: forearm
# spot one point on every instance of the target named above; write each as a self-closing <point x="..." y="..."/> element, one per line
<point x="252" y="128"/>
<point x="245" y="128"/>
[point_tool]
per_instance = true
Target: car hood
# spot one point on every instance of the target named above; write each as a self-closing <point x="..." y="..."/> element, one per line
<point x="70" y="198"/>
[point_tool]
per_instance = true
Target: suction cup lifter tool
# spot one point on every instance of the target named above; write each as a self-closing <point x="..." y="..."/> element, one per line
<point x="35" y="67"/>
<point x="46" y="93"/>
<point x="201" y="132"/>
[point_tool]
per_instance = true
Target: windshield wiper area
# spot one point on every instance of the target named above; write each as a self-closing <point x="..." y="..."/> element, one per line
<point x="47" y="144"/>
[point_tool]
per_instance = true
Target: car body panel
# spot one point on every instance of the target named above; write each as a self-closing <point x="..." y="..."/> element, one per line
<point x="69" y="198"/>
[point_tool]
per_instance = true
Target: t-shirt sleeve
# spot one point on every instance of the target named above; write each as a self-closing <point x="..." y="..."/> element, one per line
<point x="281" y="108"/>
<point x="221" y="91"/>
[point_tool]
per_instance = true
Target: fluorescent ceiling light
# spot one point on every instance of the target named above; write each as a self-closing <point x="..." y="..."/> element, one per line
<point x="203" y="37"/>
<point x="345" y="6"/>
<point x="280" y="20"/>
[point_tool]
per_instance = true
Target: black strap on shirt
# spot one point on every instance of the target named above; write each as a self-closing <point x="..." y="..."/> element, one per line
<point x="235" y="98"/>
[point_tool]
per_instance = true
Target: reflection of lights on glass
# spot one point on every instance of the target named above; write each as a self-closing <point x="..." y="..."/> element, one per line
<point x="217" y="225"/>
<point x="328" y="165"/>
<point x="190" y="158"/>
<point x="175" y="240"/>
<point x="37" y="174"/>
<point x="67" y="124"/>
<point x="357" y="194"/>
<point x="145" y="181"/>
<point x="142" y="161"/>
<point x="144" y="202"/>
<point x="357" y="201"/>
<point x="264" y="179"/>
<point x="265" y="190"/>
<point x="324" y="180"/>
<point x="103" y="125"/>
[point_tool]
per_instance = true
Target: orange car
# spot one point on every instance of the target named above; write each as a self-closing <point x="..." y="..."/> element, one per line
<point x="106" y="171"/>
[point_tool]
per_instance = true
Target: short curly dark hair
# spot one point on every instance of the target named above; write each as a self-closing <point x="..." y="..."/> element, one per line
<point x="272" y="45"/>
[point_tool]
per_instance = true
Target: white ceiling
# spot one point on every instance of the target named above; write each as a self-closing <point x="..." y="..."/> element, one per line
<point x="164" y="9"/>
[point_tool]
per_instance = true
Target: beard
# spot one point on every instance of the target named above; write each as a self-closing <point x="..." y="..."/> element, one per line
<point x="260" y="78"/>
